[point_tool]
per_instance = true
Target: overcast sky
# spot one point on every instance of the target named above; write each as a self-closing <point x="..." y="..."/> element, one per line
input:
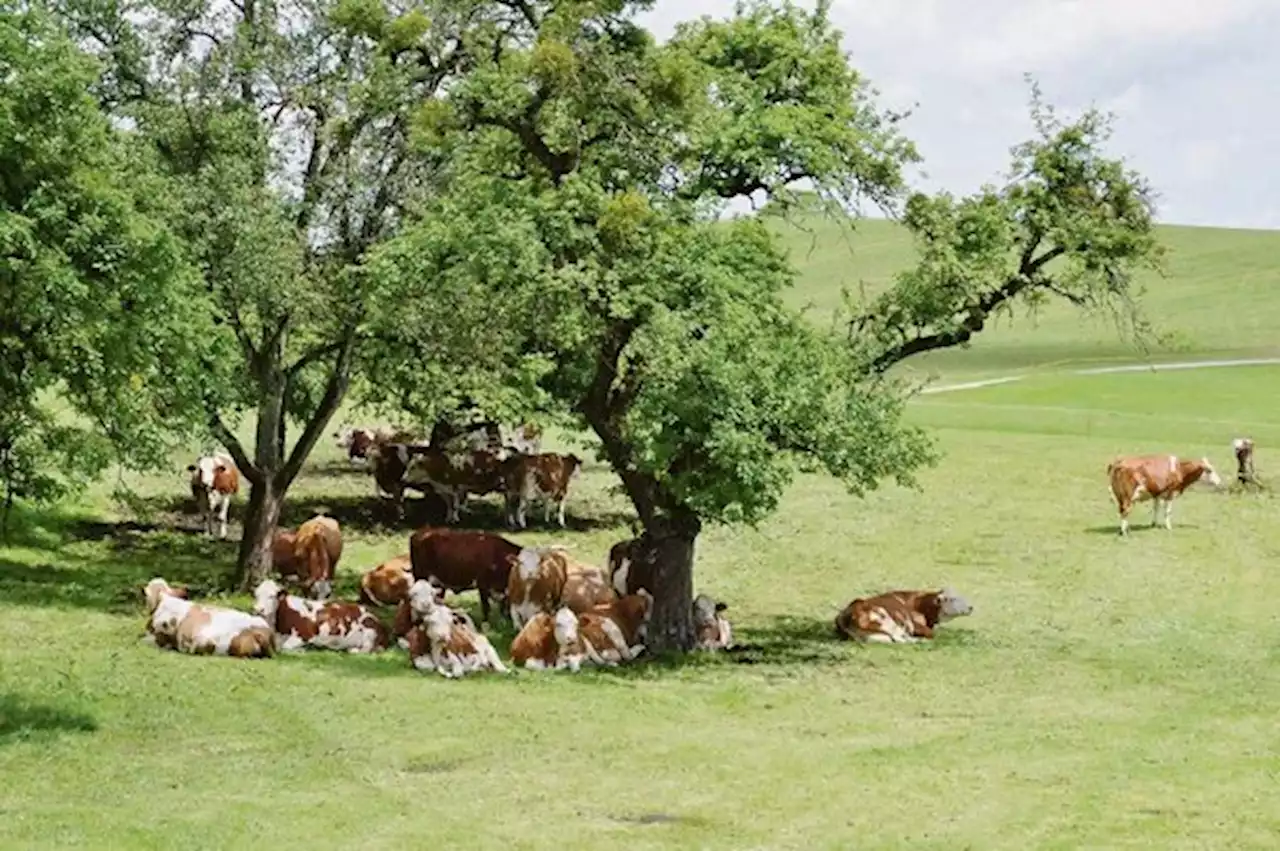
<point x="1193" y="84"/>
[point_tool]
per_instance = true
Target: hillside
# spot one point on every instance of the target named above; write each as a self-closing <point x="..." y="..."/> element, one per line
<point x="1220" y="299"/>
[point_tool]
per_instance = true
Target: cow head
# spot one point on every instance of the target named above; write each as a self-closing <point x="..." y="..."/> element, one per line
<point x="424" y="598"/>
<point x="155" y="590"/>
<point x="952" y="605"/>
<point x="203" y="471"/>
<point x="344" y="436"/>
<point x="705" y="610"/>
<point x="1209" y="475"/>
<point x="165" y="619"/>
<point x="266" y="599"/>
<point x="566" y="626"/>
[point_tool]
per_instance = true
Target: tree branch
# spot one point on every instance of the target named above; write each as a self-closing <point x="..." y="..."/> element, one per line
<point x="335" y="391"/>
<point x="235" y="447"/>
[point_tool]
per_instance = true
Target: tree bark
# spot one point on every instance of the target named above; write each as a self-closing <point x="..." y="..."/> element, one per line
<point x="260" y="521"/>
<point x="667" y="548"/>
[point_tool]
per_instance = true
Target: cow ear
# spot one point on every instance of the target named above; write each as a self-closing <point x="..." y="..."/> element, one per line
<point x="191" y="468"/>
<point x="720" y="607"/>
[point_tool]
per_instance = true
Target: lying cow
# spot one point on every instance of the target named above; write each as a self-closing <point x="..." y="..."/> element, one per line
<point x="615" y="632"/>
<point x="332" y="625"/>
<point x="214" y="481"/>
<point x="458" y="560"/>
<point x="174" y="622"/>
<point x="549" y="642"/>
<point x="440" y="642"/>
<point x="546" y="476"/>
<point x="388" y="583"/>
<point x="900" y="617"/>
<point x="309" y="557"/>
<point x="711" y="629"/>
<point x="627" y="573"/>
<point x="1159" y="478"/>
<point x="545" y="578"/>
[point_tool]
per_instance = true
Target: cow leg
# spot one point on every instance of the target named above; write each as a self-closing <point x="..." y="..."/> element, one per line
<point x="1124" y="508"/>
<point x="222" y="518"/>
<point x="522" y="507"/>
<point x="1168" y="514"/>
<point x="561" y="511"/>
<point x="484" y="606"/>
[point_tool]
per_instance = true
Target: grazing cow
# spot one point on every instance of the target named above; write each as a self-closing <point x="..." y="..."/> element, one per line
<point x="1159" y="478"/>
<point x="214" y="481"/>
<point x="626" y="572"/>
<point x="525" y="439"/>
<point x="309" y="557"/>
<point x="388" y="583"/>
<point x="443" y="642"/>
<point x="545" y="578"/>
<point x="360" y="442"/>
<point x="900" y="617"/>
<point x="176" y="623"/>
<point x="332" y="625"/>
<point x="615" y="632"/>
<point x="458" y="560"/>
<point x="456" y="475"/>
<point x="548" y="641"/>
<point x="711" y="628"/>
<point x="546" y="476"/>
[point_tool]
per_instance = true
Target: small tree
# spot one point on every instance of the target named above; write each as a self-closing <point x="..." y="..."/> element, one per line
<point x="284" y="129"/>
<point x="94" y="291"/>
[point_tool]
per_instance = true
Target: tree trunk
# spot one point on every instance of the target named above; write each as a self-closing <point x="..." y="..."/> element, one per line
<point x="260" y="521"/>
<point x="667" y="548"/>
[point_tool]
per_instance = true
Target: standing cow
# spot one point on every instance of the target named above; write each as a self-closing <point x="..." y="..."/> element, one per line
<point x="1159" y="478"/>
<point x="214" y="481"/>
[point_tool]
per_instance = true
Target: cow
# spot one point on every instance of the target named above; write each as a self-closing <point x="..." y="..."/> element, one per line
<point x="456" y="475"/>
<point x="331" y="625"/>
<point x="440" y="641"/>
<point x="214" y="481"/>
<point x="479" y="436"/>
<point x="627" y="573"/>
<point x="711" y="629"/>
<point x="1159" y="478"/>
<point x="389" y="462"/>
<point x="615" y="632"/>
<point x="1245" y="472"/>
<point x="900" y="617"/>
<point x="388" y="583"/>
<point x="549" y="641"/>
<point x="461" y="559"/>
<point x="524" y="439"/>
<point x="174" y="622"/>
<point x="545" y="578"/>
<point x="309" y="557"/>
<point x="546" y="476"/>
<point x="360" y="442"/>
<point x="402" y="621"/>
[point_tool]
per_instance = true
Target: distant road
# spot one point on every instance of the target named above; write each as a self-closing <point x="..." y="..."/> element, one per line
<point x="1103" y="370"/>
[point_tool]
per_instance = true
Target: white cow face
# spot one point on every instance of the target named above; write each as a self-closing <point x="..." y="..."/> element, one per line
<point x="706" y="610"/>
<point x="266" y="598"/>
<point x="1210" y="475"/>
<point x="952" y="605"/>
<point x="423" y="598"/>
<point x="202" y="472"/>
<point x="566" y="626"/>
<point x="167" y="616"/>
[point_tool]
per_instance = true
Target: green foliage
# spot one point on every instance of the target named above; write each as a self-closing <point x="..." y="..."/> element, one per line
<point x="1072" y="223"/>
<point x="94" y="290"/>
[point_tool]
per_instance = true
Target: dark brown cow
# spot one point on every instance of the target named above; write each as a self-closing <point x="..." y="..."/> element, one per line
<point x="546" y="476"/>
<point x="456" y="475"/>
<point x="900" y="617"/>
<point x="332" y="625"/>
<point x="627" y="574"/>
<point x="461" y="559"/>
<point x="1159" y="478"/>
<point x="389" y="461"/>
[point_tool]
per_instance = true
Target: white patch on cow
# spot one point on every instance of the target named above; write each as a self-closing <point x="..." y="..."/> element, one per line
<point x="620" y="577"/>
<point x="223" y="626"/>
<point x="535" y="664"/>
<point x="614" y="632"/>
<point x="952" y="605"/>
<point x="1210" y="474"/>
<point x="530" y="560"/>
<point x="522" y="613"/>
<point x="566" y="626"/>
<point x="1173" y="463"/>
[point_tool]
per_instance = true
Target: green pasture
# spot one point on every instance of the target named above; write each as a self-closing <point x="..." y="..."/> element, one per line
<point x="1106" y="693"/>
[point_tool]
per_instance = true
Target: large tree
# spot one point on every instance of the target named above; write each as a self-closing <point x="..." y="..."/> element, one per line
<point x="597" y="161"/>
<point x="94" y="291"/>
<point x="283" y="128"/>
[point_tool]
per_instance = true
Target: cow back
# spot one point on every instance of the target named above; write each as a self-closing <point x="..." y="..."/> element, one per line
<point x="461" y="559"/>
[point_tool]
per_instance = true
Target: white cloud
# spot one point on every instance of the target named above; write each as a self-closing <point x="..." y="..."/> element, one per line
<point x="1189" y="80"/>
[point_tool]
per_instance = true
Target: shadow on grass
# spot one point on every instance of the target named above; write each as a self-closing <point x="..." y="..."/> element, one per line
<point x="21" y="719"/>
<point x="1113" y="529"/>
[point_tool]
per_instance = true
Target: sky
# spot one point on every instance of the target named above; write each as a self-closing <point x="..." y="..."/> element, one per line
<point x="1188" y="81"/>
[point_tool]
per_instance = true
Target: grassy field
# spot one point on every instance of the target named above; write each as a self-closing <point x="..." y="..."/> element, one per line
<point x="1106" y="693"/>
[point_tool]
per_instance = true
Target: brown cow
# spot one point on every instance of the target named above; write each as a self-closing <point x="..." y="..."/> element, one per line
<point x="177" y="623"/>
<point x="443" y="642"/>
<point x="214" y="481"/>
<point x="546" y="578"/>
<point x="1159" y="478"/>
<point x="900" y="617"/>
<point x="456" y="475"/>
<point x="309" y="557"/>
<point x="461" y="559"/>
<point x="615" y="632"/>
<point x="332" y="625"/>
<point x="548" y="641"/>
<point x="546" y="476"/>
<point x="389" y="462"/>
<point x="388" y="583"/>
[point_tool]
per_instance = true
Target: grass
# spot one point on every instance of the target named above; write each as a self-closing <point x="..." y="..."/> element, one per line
<point x="1105" y="693"/>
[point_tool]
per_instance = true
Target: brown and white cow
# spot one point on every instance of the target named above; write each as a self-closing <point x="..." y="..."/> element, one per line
<point x="1159" y="478"/>
<point x="360" y="442"/>
<point x="174" y="622"/>
<point x="900" y="617"/>
<point x="389" y="461"/>
<point x="443" y="642"/>
<point x="309" y="556"/>
<point x="214" y="481"/>
<point x="388" y="583"/>
<point x="546" y="476"/>
<point x="711" y="629"/>
<point x="549" y="642"/>
<point x="333" y="625"/>
<point x="627" y="573"/>
<point x="546" y="578"/>
<point x="524" y="439"/>
<point x="456" y="475"/>
<point x="615" y="632"/>
<point x="459" y="560"/>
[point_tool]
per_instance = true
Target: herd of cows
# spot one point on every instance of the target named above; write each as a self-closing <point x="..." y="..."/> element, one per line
<point x="567" y="613"/>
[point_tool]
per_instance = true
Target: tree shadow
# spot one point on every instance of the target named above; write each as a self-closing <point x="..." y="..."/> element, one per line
<point x="22" y="719"/>
<point x="1113" y="529"/>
